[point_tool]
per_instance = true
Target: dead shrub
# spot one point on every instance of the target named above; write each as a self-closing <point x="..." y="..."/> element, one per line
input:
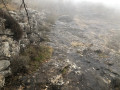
<point x="30" y="59"/>
<point x="38" y="53"/>
<point x="19" y="64"/>
<point x="12" y="24"/>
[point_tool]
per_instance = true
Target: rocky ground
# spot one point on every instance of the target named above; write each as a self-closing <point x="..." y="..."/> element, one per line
<point x="83" y="59"/>
<point x="86" y="53"/>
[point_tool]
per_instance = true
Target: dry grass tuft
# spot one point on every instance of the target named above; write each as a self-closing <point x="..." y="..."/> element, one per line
<point x="75" y="44"/>
<point x="11" y="7"/>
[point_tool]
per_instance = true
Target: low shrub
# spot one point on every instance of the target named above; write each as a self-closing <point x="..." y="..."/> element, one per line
<point x="30" y="59"/>
<point x="38" y="53"/>
<point x="19" y="64"/>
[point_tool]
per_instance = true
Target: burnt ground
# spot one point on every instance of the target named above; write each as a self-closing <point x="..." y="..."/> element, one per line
<point x="86" y="55"/>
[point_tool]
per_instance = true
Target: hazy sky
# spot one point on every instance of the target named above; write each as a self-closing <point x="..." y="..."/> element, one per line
<point x="112" y="3"/>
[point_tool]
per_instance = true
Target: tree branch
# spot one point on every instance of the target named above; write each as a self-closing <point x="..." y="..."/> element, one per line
<point x="25" y="7"/>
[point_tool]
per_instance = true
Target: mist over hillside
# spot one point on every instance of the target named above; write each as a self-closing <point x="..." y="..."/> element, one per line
<point x="70" y="7"/>
<point x="89" y="11"/>
<point x="82" y="39"/>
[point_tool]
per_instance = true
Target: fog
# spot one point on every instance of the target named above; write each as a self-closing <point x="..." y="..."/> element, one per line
<point x="109" y="3"/>
<point x="55" y="4"/>
<point x="86" y="8"/>
<point x="103" y="11"/>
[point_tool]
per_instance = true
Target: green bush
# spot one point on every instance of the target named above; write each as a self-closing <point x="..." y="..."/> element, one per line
<point x="37" y="55"/>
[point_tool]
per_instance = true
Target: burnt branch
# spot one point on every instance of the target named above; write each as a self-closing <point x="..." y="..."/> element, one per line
<point x="25" y="7"/>
<point x="5" y="6"/>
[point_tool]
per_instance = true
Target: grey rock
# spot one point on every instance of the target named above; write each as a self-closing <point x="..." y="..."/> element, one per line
<point x="2" y="24"/>
<point x="12" y="12"/>
<point x="2" y="81"/>
<point x="57" y="80"/>
<point x="4" y="64"/>
<point x="15" y="48"/>
<point x="25" y="41"/>
<point x="1" y="31"/>
<point x="6" y="73"/>
<point x="6" y="32"/>
<point x="4" y="49"/>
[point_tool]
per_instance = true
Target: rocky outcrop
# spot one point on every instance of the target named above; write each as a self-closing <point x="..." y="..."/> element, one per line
<point x="9" y="47"/>
<point x="5" y="52"/>
<point x="4" y="71"/>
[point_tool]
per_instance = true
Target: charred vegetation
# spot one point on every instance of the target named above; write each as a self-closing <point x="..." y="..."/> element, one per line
<point x="12" y="24"/>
